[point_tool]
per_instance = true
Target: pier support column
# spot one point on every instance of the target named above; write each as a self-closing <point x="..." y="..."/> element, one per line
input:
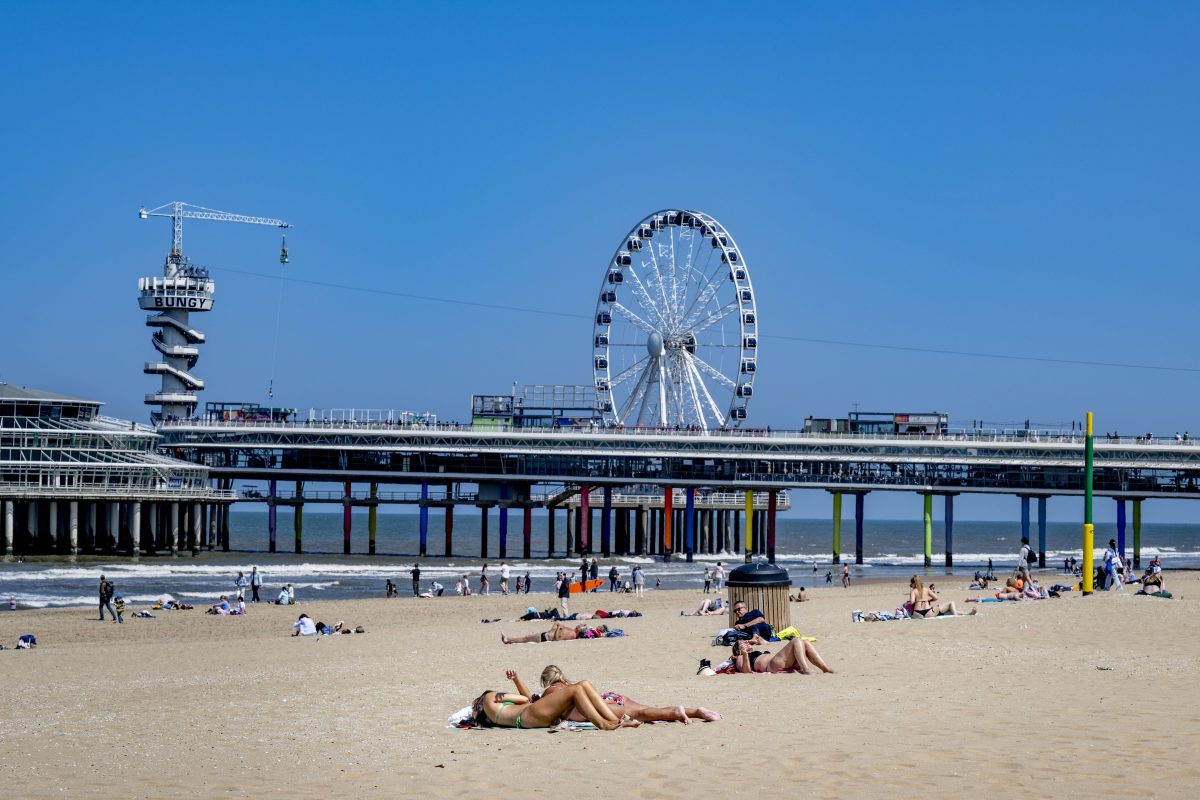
<point x="949" y="530"/>
<point x="152" y="513"/>
<point x="606" y="524"/>
<point x="572" y="520"/>
<point x="527" y="532"/>
<point x="503" y="508"/>
<point x="639" y="531"/>
<point x="52" y="524"/>
<point x="689" y="523"/>
<point x="772" y="507"/>
<point x="173" y="529"/>
<point x="31" y="525"/>
<point x="1025" y="518"/>
<point x="483" y="532"/>
<point x="1121" y="527"/>
<point x="585" y="517"/>
<point x="749" y="525"/>
<point x="195" y="528"/>
<point x="135" y="528"/>
<point x="272" y="514"/>
<point x="1042" y="532"/>
<point x="928" y="516"/>
<point x="298" y="518"/>
<point x="423" y="545"/>
<point x="735" y="541"/>
<point x="550" y="531"/>
<point x="94" y="525"/>
<point x="372" y="519"/>
<point x="449" y="529"/>
<point x="346" y="519"/>
<point x="114" y="522"/>
<point x="1137" y="533"/>
<point x="859" y="502"/>
<point x="668" y="521"/>
<point x="837" y="527"/>
<point x="8" y="530"/>
<point x="226" y="510"/>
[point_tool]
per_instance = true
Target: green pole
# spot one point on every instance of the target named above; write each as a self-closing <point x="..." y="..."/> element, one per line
<point x="1089" y="531"/>
<point x="928" y="530"/>
<point x="837" y="527"/>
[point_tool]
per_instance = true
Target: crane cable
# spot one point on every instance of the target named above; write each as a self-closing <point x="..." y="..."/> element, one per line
<point x="275" y="347"/>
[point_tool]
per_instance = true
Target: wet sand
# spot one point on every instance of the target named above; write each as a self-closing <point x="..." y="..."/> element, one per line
<point x="1063" y="696"/>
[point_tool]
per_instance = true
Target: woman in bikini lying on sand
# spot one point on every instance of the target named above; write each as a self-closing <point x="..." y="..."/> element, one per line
<point x="506" y="710"/>
<point x="925" y="602"/>
<point x="557" y="633"/>
<point x="553" y="681"/>
<point x="797" y="655"/>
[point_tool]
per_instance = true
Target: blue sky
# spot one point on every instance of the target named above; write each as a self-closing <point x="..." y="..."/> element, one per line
<point x="1015" y="179"/>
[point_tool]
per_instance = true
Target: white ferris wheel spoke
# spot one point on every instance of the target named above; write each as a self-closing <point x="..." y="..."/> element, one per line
<point x="713" y="372"/>
<point x="712" y="285"/>
<point x="658" y="279"/>
<point x="639" y="392"/>
<point x="692" y="377"/>
<point x="712" y="319"/>
<point x="627" y="372"/>
<point x="716" y="411"/>
<point x="662" y="393"/>
<point x="643" y="296"/>
<point x="632" y="317"/>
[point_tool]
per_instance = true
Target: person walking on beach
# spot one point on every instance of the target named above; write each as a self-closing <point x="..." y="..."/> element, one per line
<point x="520" y="585"/>
<point x="707" y="580"/>
<point x="829" y="578"/>
<point x="1112" y="566"/>
<point x="241" y="583"/>
<point x="614" y="578"/>
<point x="564" y="593"/>
<point x="107" y="590"/>
<point x="466" y="586"/>
<point x="255" y="582"/>
<point x="845" y="576"/>
<point x="719" y="577"/>
<point x="504" y="578"/>
<point x="485" y="583"/>
<point x="528" y="582"/>
<point x="639" y="581"/>
<point x="416" y="579"/>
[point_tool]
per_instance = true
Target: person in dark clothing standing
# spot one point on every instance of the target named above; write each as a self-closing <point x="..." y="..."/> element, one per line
<point x="528" y="582"/>
<point x="564" y="592"/>
<point x="584" y="567"/>
<point x="416" y="576"/>
<point x="613" y="578"/>
<point x="255" y="582"/>
<point x="594" y="571"/>
<point x="107" y="590"/>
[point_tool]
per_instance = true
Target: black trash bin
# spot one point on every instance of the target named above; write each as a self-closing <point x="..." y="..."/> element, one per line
<point x="765" y="587"/>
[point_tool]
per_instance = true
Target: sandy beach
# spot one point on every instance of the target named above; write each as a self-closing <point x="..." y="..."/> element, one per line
<point x="1057" y="696"/>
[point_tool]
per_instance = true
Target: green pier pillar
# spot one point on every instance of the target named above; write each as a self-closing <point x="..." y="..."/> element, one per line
<point x="837" y="527"/>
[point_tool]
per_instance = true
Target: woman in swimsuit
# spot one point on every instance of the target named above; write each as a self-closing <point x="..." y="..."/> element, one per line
<point x="797" y="655"/>
<point x="557" y="633"/>
<point x="925" y="602"/>
<point x="553" y="681"/>
<point x="506" y="710"/>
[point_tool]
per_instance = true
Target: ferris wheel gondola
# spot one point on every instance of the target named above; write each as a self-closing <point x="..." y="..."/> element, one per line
<point x="675" y="334"/>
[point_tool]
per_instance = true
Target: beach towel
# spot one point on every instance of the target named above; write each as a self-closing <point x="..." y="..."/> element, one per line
<point x="143" y="614"/>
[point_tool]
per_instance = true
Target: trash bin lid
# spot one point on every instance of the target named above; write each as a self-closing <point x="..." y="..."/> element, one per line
<point x="760" y="573"/>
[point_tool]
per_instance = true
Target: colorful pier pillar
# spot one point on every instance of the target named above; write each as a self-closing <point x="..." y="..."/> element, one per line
<point x="749" y="526"/>
<point x="606" y="524"/>
<point x="346" y="509"/>
<point x="372" y="518"/>
<point x="772" y="506"/>
<point x="837" y="527"/>
<point x="423" y="546"/>
<point x="1042" y="532"/>
<point x="639" y="532"/>
<point x="689" y="523"/>
<point x="1089" y="531"/>
<point x="1121" y="527"/>
<point x="1137" y="532"/>
<point x="949" y="530"/>
<point x="668" y="519"/>
<point x="859" y="502"/>
<point x="1025" y="517"/>
<point x="928" y="515"/>
<point x="550" y="531"/>
<point x="585" y="516"/>
<point x="271" y="520"/>
<point x="526" y="531"/>
<point x="503" y="522"/>
<point x="449" y="527"/>
<point x="297" y="517"/>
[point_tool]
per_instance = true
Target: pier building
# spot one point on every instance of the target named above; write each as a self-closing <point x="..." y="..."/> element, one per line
<point x="74" y="481"/>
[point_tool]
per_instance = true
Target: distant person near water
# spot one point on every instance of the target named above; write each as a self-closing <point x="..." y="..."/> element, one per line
<point x="485" y="583"/>
<point x="845" y="576"/>
<point x="528" y="582"/>
<point x="614" y="578"/>
<point x="107" y="590"/>
<point x="564" y="592"/>
<point x="504" y="573"/>
<point x="240" y="583"/>
<point x="416" y="579"/>
<point x="255" y="582"/>
<point x="594" y="572"/>
<point x="718" y="577"/>
<point x="707" y="580"/>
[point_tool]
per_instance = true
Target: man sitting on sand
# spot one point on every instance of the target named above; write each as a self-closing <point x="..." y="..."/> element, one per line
<point x="558" y="633"/>
<point x="752" y="622"/>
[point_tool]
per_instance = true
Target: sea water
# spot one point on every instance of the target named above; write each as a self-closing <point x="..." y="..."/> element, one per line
<point x="891" y="548"/>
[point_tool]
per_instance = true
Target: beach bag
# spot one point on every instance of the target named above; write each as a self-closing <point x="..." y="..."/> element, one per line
<point x="109" y="589"/>
<point x="789" y="632"/>
<point x="27" y="642"/>
<point x="1031" y="556"/>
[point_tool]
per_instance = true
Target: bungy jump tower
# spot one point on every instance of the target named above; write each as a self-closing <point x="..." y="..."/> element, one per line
<point x="184" y="288"/>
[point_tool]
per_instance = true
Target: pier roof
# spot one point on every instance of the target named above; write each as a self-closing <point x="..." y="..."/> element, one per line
<point x="10" y="392"/>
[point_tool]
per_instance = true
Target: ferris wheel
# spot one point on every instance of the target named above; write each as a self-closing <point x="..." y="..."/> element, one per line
<point x="675" y="340"/>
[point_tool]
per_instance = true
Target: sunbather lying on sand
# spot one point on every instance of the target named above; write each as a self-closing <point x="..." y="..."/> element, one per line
<point x="558" y="633"/>
<point x="707" y="608"/>
<point x="507" y="710"/>
<point x="553" y="681"/>
<point x="797" y="655"/>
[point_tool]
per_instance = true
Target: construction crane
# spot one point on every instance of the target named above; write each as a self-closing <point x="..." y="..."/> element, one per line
<point x="177" y="212"/>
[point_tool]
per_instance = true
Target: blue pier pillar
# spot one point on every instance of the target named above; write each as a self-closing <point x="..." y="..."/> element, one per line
<point x="1041" y="532"/>
<point x="272" y="499"/>
<point x="424" y="519"/>
<point x="550" y="531"/>
<point x="483" y="532"/>
<point x="1025" y="517"/>
<point x="859" y="499"/>
<point x="949" y="530"/>
<point x="1121" y="527"/>
<point x="689" y="523"/>
<point x="503" y="523"/>
<point x="606" y="524"/>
